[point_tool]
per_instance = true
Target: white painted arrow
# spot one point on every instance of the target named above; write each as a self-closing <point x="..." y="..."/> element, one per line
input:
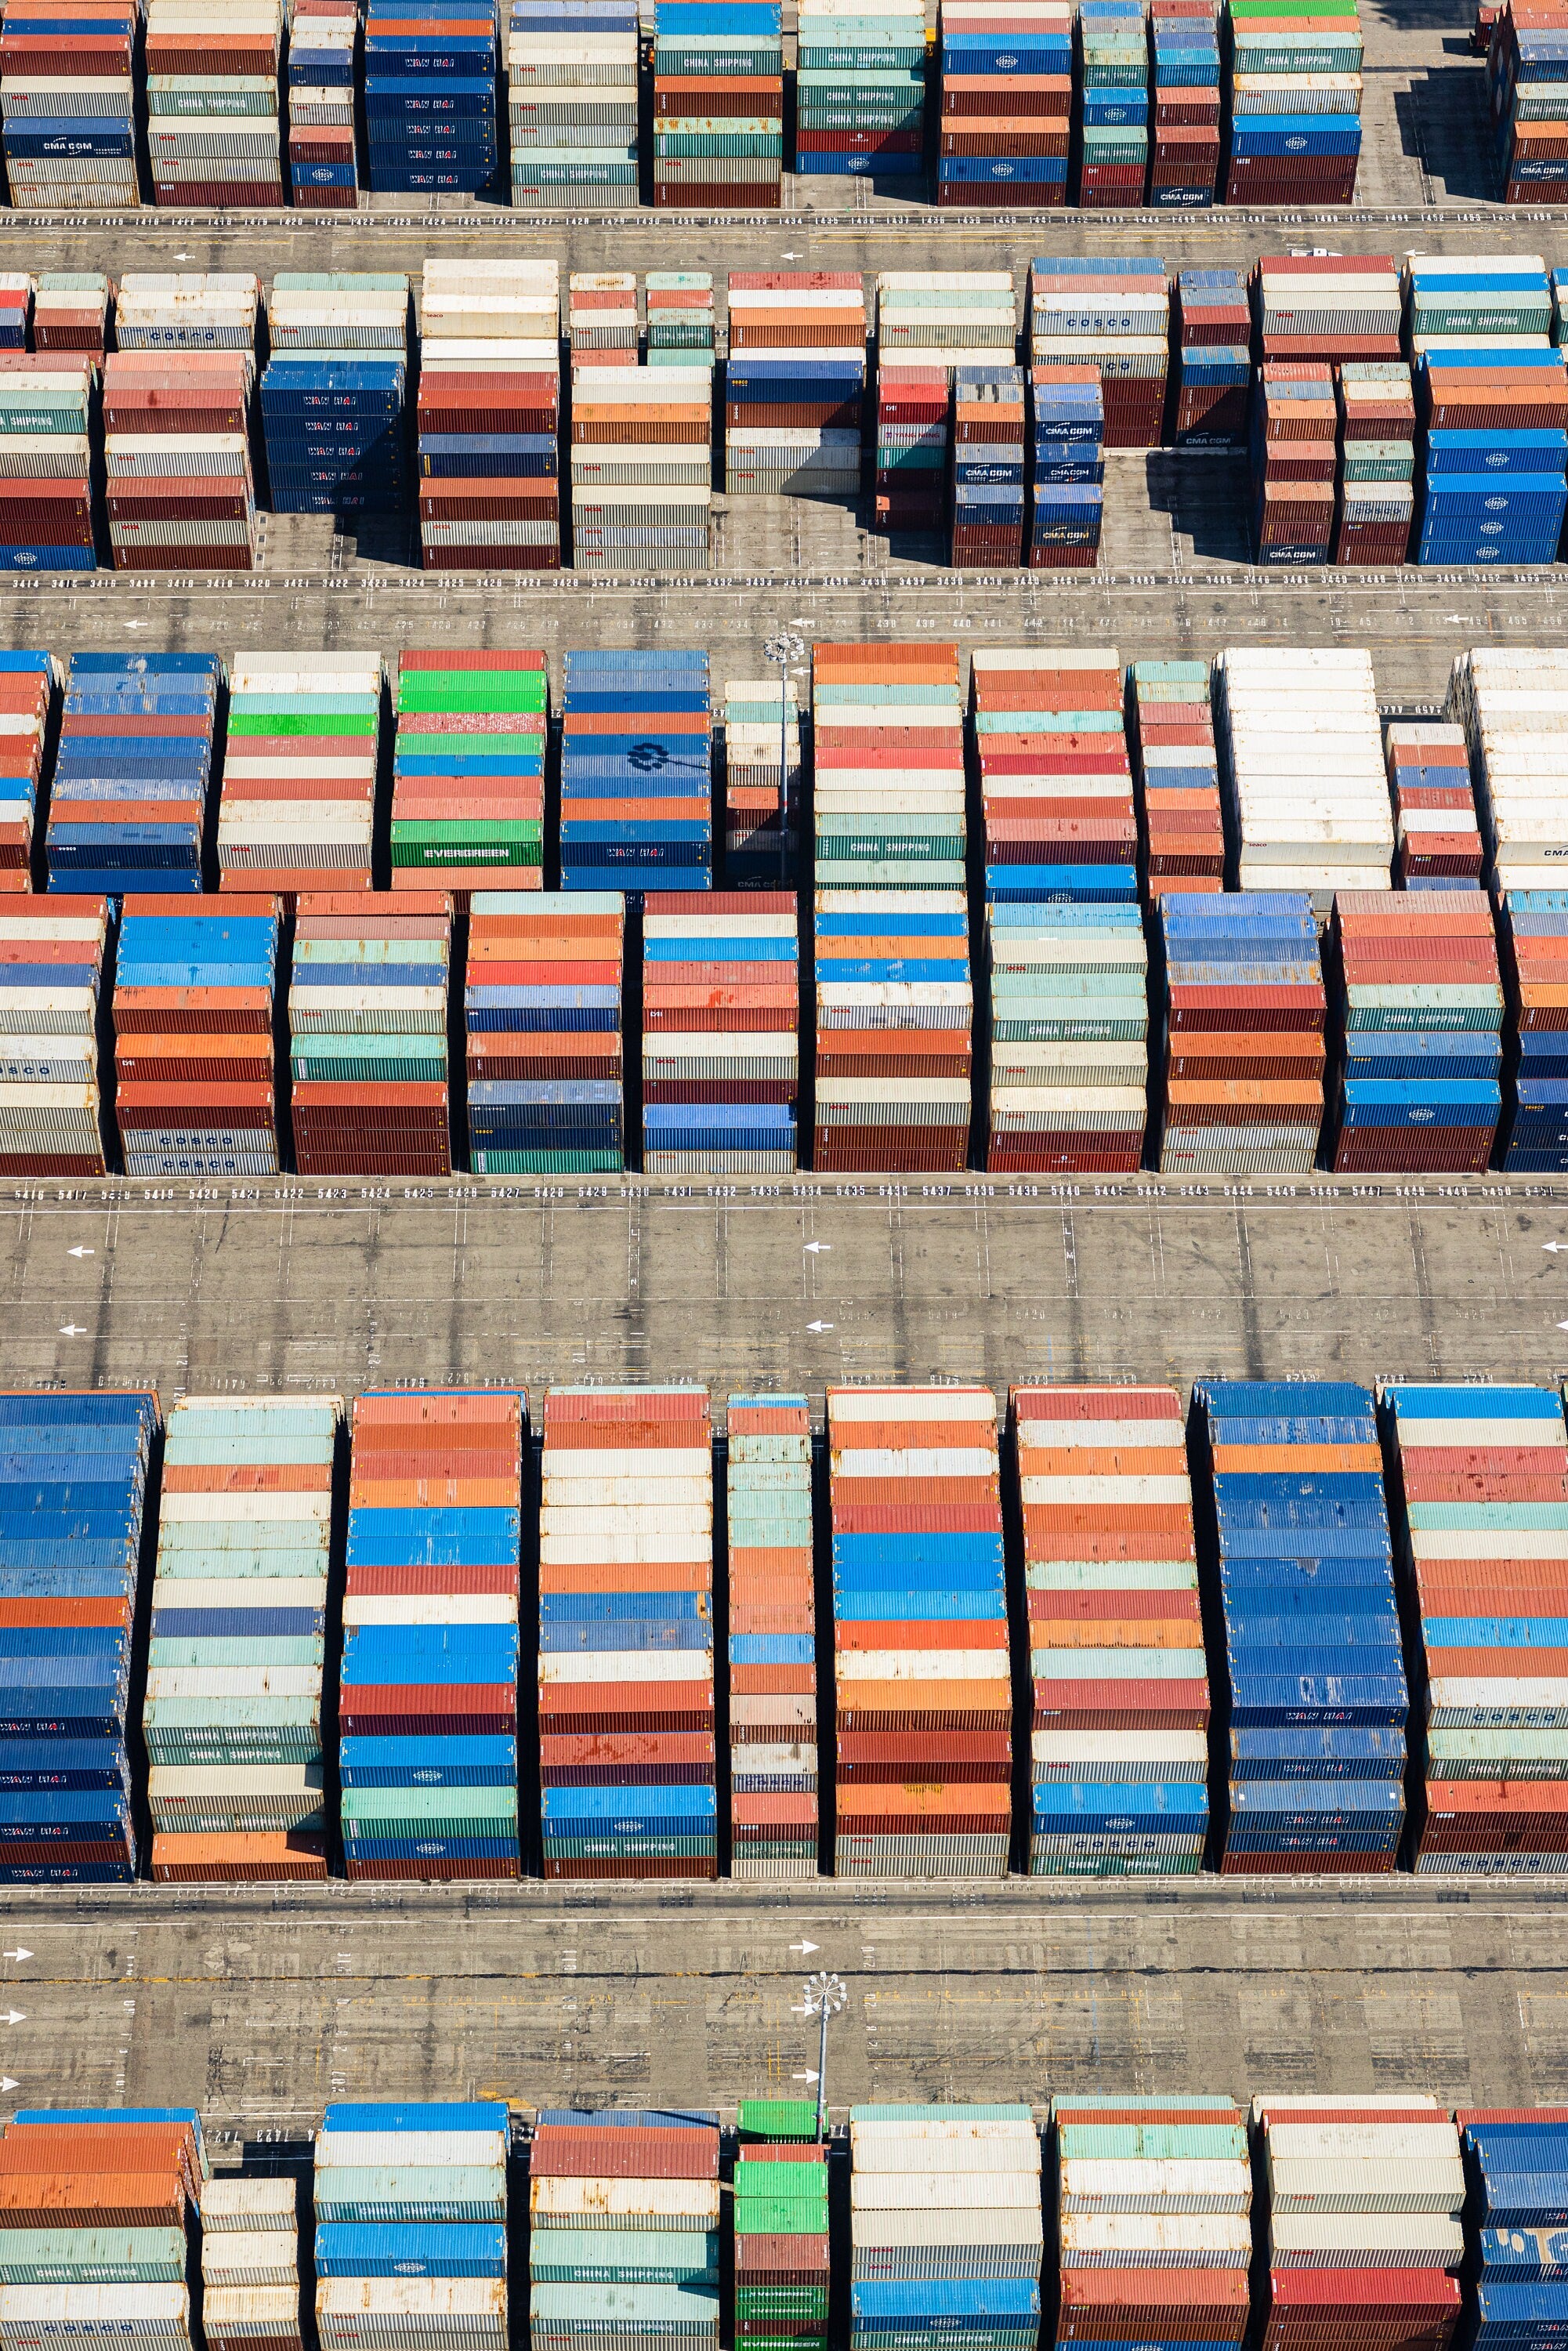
<point x="820" y="1326"/>
<point x="805" y="2077"/>
<point x="15" y="2016"/>
<point x="73" y="1330"/>
<point x="8" y="2083"/>
<point x="1552" y="1248"/>
<point x="82" y="1252"/>
<point x="817" y="1248"/>
<point x="804" y="1948"/>
<point x="21" y="1952"/>
<point x="1563" y="1326"/>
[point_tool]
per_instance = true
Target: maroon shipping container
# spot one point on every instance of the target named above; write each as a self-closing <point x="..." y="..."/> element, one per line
<point x="562" y="2151"/>
<point x="628" y="1870"/>
<point x="418" y="1710"/>
<point x="432" y="1872"/>
<point x="1115" y="1705"/>
<point x="1075" y="1154"/>
<point x="1414" y="1151"/>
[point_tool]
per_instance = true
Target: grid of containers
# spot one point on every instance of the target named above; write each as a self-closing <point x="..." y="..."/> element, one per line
<point x="920" y="1633"/>
<point x="773" y="1767"/>
<point x="468" y="770"/>
<point x="721" y="1055"/>
<point x="410" y="2226"/>
<point x="642" y="468"/>
<point x="1245" y="1014"/>
<point x="1518" y="2160"/>
<point x="28" y="684"/>
<point x="1333" y="307"/>
<point x="794" y="384"/>
<point x="367" y="1034"/>
<point x="194" y="983"/>
<point x="1303" y="770"/>
<point x="1292" y="458"/>
<point x="1068" y="1053"/>
<point x="67" y="101"/>
<point x="94" y="2209"/>
<point x="719" y="103"/>
<point x="1006" y="102"/>
<point x="542" y="1002"/>
<point x="74" y="1491"/>
<point x="887" y="751"/>
<point x="986" y="480"/>
<point x="1113" y="314"/>
<point x="860" y="89"/>
<point x="896" y="1009"/>
<point x="1374" y="495"/>
<point x="1181" y="827"/>
<point x="1118" y="1731"/>
<point x="1293" y="102"/>
<point x="1513" y="708"/>
<point x="930" y="324"/>
<point x="1491" y="488"/>
<point x="70" y="311"/>
<point x="627" y="1724"/>
<point x="300" y="771"/>
<point x="571" y="83"/>
<point x="763" y="775"/>
<point x="1365" y="2201"/>
<point x="186" y="310"/>
<point x="333" y="394"/>
<point x="51" y="972"/>
<point x="232" y="1716"/>
<point x="489" y="417"/>
<point x="128" y="796"/>
<point x="912" y="428"/>
<point x="1438" y="843"/>
<point x="624" y="2244"/>
<point x="636" y="771"/>
<point x="1533" y="929"/>
<point x="1154" y="2198"/>
<point x="601" y="319"/>
<point x="250" y="2265"/>
<point x="431" y="103"/>
<point x="427" y="1703"/>
<point x="946" y="2228"/>
<point x="180" y="496"/>
<point x="1419" y="995"/>
<point x="1214" y="379"/>
<point x="46" y="462"/>
<point x="782" y="2253"/>
<point x="1067" y="495"/>
<point x="214" y="133"/>
<point x="323" y="47"/>
<point x="1481" y="1490"/>
<point x="1317" y="1701"/>
<point x="1184" y="98"/>
<point x="1524" y="81"/>
<point x="1114" y="104"/>
<point x="1056" y="781"/>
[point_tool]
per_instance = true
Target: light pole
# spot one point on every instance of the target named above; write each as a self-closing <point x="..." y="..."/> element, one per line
<point x="782" y="648"/>
<point x="825" y="1994"/>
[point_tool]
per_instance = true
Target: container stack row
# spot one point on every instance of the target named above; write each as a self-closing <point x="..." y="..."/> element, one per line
<point x="232" y="1716"/>
<point x="895" y="1009"/>
<point x="1067" y="480"/>
<point x="947" y="2234"/>
<point x="64" y="2174"/>
<point x="794" y="384"/>
<point x="642" y="467"/>
<point x="860" y="90"/>
<point x="468" y="771"/>
<point x="623" y="2238"/>
<point x="987" y="470"/>
<point x="194" y="988"/>
<point x="46" y="400"/>
<point x="602" y="322"/>
<point x="51" y="1110"/>
<point x="1244" y="1013"/>
<point x="1295" y="89"/>
<point x="571" y="83"/>
<point x="1374" y="495"/>
<point x="68" y="103"/>
<point x="431" y="110"/>
<point x="1438" y="843"/>
<point x="300" y="771"/>
<point x="636" y="772"/>
<point x="1055" y="778"/>
<point x="1520" y="2162"/>
<point x="323" y="82"/>
<point x="721" y="1007"/>
<point x="1184" y="96"/>
<point x="133" y="767"/>
<point x="250" y="2264"/>
<point x="1533" y="930"/>
<point x="543" y="1009"/>
<point x="1112" y="314"/>
<point x="1069" y="1050"/>
<point x="28" y="682"/>
<point x="1304" y="770"/>
<point x="367" y="1046"/>
<point x="773" y="1725"/>
<point x="888" y="763"/>
<point x="1153" y="2199"/>
<point x="1006" y="104"/>
<point x="763" y="780"/>
<point x="1114" y="104"/>
<point x="334" y="392"/>
<point x="1524" y="62"/>
<point x="782" y="2253"/>
<point x="410" y="2226"/>
<point x="180" y="492"/>
<point x="1214" y="379"/>
<point x="1416" y="974"/>
<point x="489" y="417"/>
<point x="1181" y="827"/>
<point x="718" y="104"/>
<point x="214" y="126"/>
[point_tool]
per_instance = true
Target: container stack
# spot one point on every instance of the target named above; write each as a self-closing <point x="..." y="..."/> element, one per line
<point x="1492" y="451"/>
<point x="1181" y="831"/>
<point x="1056" y="783"/>
<point x="624" y="2241"/>
<point x="679" y="318"/>
<point x="1498" y="304"/>
<point x="762" y="781"/>
<point x="186" y="310"/>
<point x="68" y="1813"/>
<point x="1376" y="497"/>
<point x="1420" y="997"/>
<point x="947" y="2231"/>
<point x="1294" y="104"/>
<point x="1316" y="1678"/>
<point x="410" y="2226"/>
<point x="1533" y="933"/>
<point x="1114" y="103"/>
<point x="468" y="771"/>
<point x="1510" y="705"/>
<point x="1069" y="1055"/>
<point x="1524" y="65"/>
<point x="782" y="2251"/>
<point x="180" y="496"/>
<point x="896" y="1011"/>
<point x="129" y="798"/>
<point x="948" y="319"/>
<point x="920" y="1633"/>
<point x="46" y="462"/>
<point x="887" y="725"/>
<point x="1214" y="400"/>
<point x="489" y="415"/>
<point x="1364" y="2202"/>
<point x="571" y="81"/>
<point x="1470" y="1464"/>
<point x="428" y="1699"/>
<point x="1301" y="757"/>
<point x="913" y="425"/>
<point x="232" y="1716"/>
<point x="1006" y="105"/>
<point x="721" y="1055"/>
<point x="1174" y="2271"/>
<point x="773" y="1767"/>
<point x="1245" y="1014"/>
<point x="431" y="110"/>
<point x="636" y="772"/>
<point x="194" y="983"/>
<point x="642" y="468"/>
<point x="70" y="311"/>
<point x="69" y="106"/>
<point x="250" y="2264"/>
<point x="719" y="105"/>
<point x="300" y="771"/>
<point x="626" y="1645"/>
<point x="1333" y="307"/>
<point x="794" y="384"/>
<point x="347" y="310"/>
<point x="1184" y="160"/>
<point x="860" y="93"/>
<point x="986" y="490"/>
<point x="602" y="321"/>
<point x="367" y="1029"/>
<point x="51" y="1113"/>
<point x="1121" y="1688"/>
<point x="27" y="684"/>
<point x="323" y="163"/>
<point x="213" y="131"/>
<point x="543" y="1000"/>
<point x="1292" y="457"/>
<point x="1519" y="2159"/>
<point x="72" y="2262"/>
<point x="334" y="393"/>
<point x="1113" y="314"/>
<point x="1438" y="843"/>
<point x="1067" y="492"/>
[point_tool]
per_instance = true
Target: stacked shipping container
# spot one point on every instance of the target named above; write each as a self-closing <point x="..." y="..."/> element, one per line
<point x="71" y="312"/>
<point x="1215" y="375"/>
<point x="1005" y="103"/>
<point x="214" y="135"/>
<point x="1183" y="159"/>
<point x="763" y="775"/>
<point x="1181" y="829"/>
<point x="1532" y="928"/>
<point x="250" y="2264"/>
<point x="773" y="1765"/>
<point x="1420" y="1000"/>
<point x="51" y="972"/>
<point x="1069" y="1057"/>
<point x="718" y="104"/>
<point x="1154" y="2197"/>
<point x="1303" y="768"/>
<point x="624" y="2244"/>
<point x="946" y="2229"/>
<point x="571" y="81"/>
<point x="430" y="96"/>
<point x="410" y="2226"/>
<point x="1295" y="102"/>
<point x="489" y="417"/>
<point x="1291" y="453"/>
<point x="1514" y="713"/>
<point x="1519" y="2160"/>
<point x="323" y="44"/>
<point x="1245" y="1012"/>
<point x="894" y="1023"/>
<point x="636" y="771"/>
<point x="68" y="103"/>
<point x="195" y="985"/>
<point x="1438" y="843"/>
<point x="642" y="468"/>
<point x="367" y="1023"/>
<point x="333" y="397"/>
<point x="300" y="771"/>
<point x="782" y="2245"/>
<point x="986" y="488"/>
<point x="721" y="1009"/>
<point x="1375" y="501"/>
<point x="860" y="90"/>
<point x="46" y="462"/>
<point x="180" y="496"/>
<point x="1114" y="104"/>
<point x="1524" y="77"/>
<point x="1113" y="314"/>
<point x="888" y="763"/>
<point x="468" y="770"/>
<point x="542" y="1002"/>
<point x="794" y="383"/>
<point x="1067" y="497"/>
<point x="27" y="684"/>
<point x="71" y="2180"/>
<point x="1055" y="779"/>
<point x="128" y="801"/>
